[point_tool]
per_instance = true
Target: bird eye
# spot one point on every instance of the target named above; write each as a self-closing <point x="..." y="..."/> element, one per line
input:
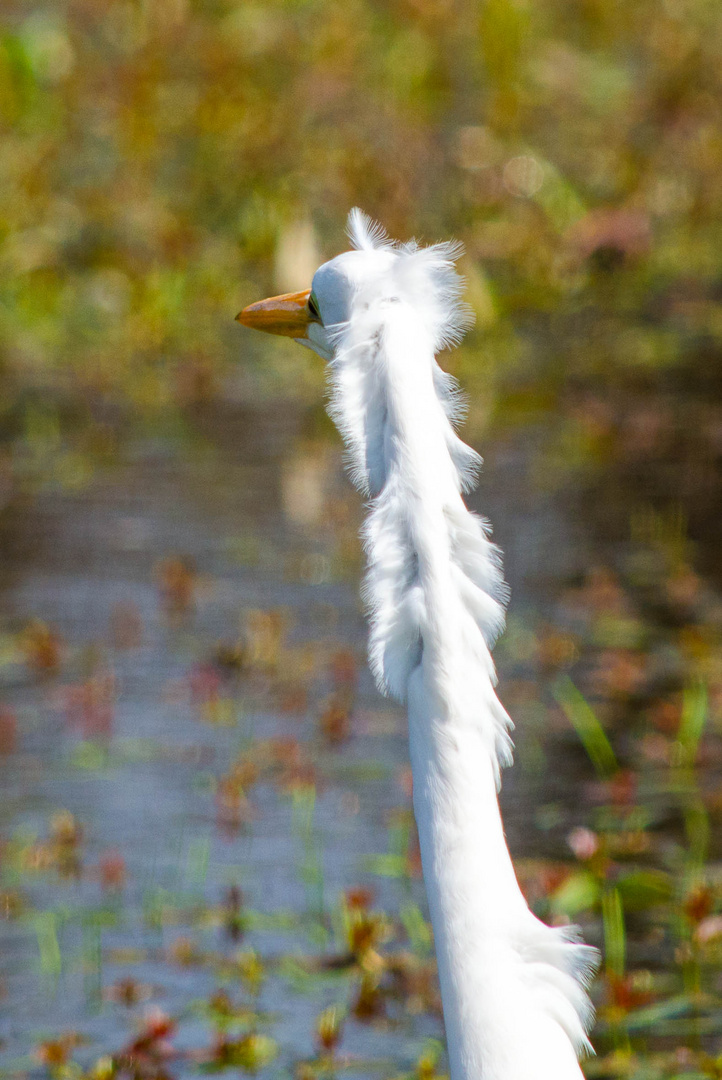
<point x="313" y="307"/>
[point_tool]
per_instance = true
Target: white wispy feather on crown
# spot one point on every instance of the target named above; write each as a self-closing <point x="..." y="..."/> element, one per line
<point x="427" y="274"/>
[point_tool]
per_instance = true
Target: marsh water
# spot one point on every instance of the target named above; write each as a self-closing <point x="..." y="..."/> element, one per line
<point x="196" y="766"/>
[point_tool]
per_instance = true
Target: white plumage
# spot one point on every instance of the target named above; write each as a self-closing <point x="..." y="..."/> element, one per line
<point x="513" y="989"/>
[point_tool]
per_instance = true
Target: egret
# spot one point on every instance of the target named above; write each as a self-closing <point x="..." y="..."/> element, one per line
<point x="513" y="989"/>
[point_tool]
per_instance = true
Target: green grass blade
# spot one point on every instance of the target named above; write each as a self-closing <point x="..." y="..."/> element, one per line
<point x="586" y="724"/>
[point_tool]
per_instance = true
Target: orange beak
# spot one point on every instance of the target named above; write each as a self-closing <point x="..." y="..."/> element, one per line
<point x="288" y="315"/>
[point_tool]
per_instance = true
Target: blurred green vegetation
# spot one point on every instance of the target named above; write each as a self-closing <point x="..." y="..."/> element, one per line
<point x="166" y="161"/>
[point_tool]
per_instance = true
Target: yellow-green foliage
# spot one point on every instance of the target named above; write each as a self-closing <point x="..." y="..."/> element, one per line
<point x="166" y="161"/>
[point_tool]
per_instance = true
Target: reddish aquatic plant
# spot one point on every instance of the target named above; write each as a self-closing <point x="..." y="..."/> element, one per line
<point x="335" y="719"/>
<point x="128" y="992"/>
<point x="343" y="669"/>
<point x="329" y="1028"/>
<point x="698" y="903"/>
<point x="147" y="1056"/>
<point x="55" y="1053"/>
<point x="359" y="898"/>
<point x="42" y="647"/>
<point x="185" y="952"/>
<point x="177" y="584"/>
<point x="627" y="992"/>
<point x="8" y="730"/>
<point x="66" y="836"/>
<point x="233" y="810"/>
<point x="90" y="705"/>
<point x="112" y="871"/>
<point x="205" y="684"/>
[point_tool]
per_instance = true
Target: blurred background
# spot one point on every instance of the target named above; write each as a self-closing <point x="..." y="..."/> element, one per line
<point x="207" y="854"/>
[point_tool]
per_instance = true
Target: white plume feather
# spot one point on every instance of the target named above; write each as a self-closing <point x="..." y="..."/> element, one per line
<point x="364" y="233"/>
<point x="435" y="593"/>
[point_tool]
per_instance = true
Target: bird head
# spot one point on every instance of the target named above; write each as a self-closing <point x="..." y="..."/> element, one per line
<point x="362" y="288"/>
<point x="314" y="316"/>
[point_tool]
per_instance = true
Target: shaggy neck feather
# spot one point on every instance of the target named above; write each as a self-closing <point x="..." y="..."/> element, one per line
<point x="512" y="988"/>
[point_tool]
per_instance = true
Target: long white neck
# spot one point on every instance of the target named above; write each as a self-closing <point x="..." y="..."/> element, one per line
<point x="512" y="988"/>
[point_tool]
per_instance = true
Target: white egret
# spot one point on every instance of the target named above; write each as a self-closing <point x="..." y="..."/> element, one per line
<point x="513" y="989"/>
